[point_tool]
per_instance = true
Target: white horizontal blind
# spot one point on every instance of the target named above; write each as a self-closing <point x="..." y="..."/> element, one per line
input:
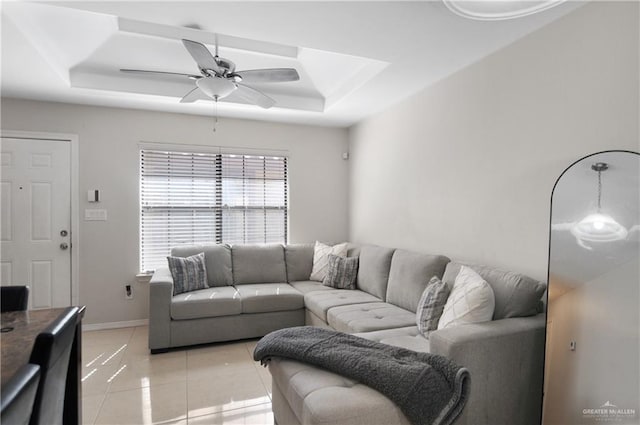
<point x="190" y="197"/>
<point x="254" y="199"/>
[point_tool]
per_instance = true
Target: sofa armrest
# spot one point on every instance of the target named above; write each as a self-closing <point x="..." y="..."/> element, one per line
<point x="160" y="294"/>
<point x="506" y="361"/>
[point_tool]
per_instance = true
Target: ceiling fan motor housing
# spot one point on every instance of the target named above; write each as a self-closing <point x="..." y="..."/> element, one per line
<point x="225" y="65"/>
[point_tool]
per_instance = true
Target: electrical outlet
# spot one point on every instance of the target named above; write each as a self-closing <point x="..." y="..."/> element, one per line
<point x="128" y="292"/>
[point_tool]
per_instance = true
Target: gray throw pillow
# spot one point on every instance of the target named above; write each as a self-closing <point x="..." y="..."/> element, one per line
<point x="189" y="273"/>
<point x="341" y="272"/>
<point x="431" y="305"/>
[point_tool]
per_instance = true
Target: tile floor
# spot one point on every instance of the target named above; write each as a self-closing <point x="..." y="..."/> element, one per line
<point x="216" y="384"/>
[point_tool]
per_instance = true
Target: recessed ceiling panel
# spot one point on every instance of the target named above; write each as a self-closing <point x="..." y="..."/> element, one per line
<point x="94" y="62"/>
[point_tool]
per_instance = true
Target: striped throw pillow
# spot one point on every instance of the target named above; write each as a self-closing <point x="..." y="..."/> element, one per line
<point x="189" y="273"/>
<point x="341" y="272"/>
<point x="431" y="306"/>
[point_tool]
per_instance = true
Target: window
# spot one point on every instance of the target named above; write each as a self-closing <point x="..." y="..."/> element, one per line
<point x="192" y="198"/>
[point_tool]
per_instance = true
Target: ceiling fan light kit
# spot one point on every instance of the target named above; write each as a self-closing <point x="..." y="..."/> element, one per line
<point x="219" y="77"/>
<point x="498" y="10"/>
<point x="216" y="87"/>
<point x="599" y="227"/>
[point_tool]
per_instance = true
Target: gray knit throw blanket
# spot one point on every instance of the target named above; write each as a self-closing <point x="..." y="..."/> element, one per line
<point x="429" y="389"/>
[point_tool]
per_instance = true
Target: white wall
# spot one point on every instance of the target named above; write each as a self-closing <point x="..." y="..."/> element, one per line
<point x="602" y="317"/>
<point x="109" y="158"/>
<point x="466" y="167"/>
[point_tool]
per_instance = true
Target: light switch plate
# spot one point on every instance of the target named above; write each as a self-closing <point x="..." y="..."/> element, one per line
<point x="95" y="215"/>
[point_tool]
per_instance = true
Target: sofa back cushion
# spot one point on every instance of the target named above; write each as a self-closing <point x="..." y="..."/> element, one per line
<point x="516" y="295"/>
<point x="409" y="275"/>
<point x="258" y="264"/>
<point x="353" y="250"/>
<point x="217" y="259"/>
<point x="299" y="261"/>
<point x="373" y="270"/>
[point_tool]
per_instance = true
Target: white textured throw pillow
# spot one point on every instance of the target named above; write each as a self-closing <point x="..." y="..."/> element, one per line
<point x="321" y="258"/>
<point x="471" y="300"/>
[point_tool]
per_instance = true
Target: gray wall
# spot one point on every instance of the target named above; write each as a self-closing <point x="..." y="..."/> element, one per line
<point x="108" y="151"/>
<point x="466" y="167"/>
<point x="602" y="317"/>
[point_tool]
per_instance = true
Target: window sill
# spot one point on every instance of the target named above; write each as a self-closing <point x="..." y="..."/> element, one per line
<point x="143" y="277"/>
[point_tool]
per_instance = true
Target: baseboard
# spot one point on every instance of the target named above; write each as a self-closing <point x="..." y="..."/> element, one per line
<point x="115" y="325"/>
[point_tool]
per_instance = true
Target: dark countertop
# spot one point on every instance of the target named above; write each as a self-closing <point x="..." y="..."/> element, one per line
<point x="18" y="343"/>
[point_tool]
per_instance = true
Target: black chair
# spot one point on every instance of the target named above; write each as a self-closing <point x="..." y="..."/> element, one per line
<point x="14" y="298"/>
<point x="19" y="394"/>
<point x="51" y="351"/>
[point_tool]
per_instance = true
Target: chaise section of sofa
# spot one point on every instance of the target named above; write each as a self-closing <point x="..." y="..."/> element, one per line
<point x="504" y="356"/>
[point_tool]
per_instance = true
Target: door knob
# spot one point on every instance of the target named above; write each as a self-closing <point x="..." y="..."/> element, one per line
<point x="64" y="245"/>
<point x="63" y="233"/>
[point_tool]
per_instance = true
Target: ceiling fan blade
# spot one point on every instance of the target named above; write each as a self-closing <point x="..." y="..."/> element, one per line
<point x="274" y="75"/>
<point x="143" y="72"/>
<point x="202" y="56"/>
<point x="193" y="95"/>
<point x="254" y="96"/>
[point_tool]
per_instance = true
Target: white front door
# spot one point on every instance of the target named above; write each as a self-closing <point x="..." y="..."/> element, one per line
<point x="35" y="216"/>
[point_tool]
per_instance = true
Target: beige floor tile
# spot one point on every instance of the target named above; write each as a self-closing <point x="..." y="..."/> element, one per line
<point x="225" y="392"/>
<point x="254" y="415"/>
<point x="102" y="356"/>
<point x="156" y="404"/>
<point x="145" y="370"/>
<point x="217" y="384"/>
<point x="96" y="380"/>
<point x="222" y="350"/>
<point x="251" y="345"/>
<point x="265" y="377"/>
<point x="215" y="361"/>
<point x="108" y="336"/>
<point x="90" y="407"/>
<point x="139" y="343"/>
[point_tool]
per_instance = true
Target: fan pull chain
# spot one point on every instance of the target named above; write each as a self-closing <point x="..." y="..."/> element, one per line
<point x="599" y="188"/>
<point x="215" y="113"/>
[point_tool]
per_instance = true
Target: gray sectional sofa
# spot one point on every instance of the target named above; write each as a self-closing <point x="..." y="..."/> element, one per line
<point x="257" y="289"/>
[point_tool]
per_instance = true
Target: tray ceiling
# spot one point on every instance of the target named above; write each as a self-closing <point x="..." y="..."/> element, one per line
<point x="354" y="58"/>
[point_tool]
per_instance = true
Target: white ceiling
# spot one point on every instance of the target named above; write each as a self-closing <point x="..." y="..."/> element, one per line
<point x="354" y="58"/>
<point x="575" y="196"/>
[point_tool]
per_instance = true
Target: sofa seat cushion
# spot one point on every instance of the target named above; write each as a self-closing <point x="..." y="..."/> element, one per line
<point x="319" y="302"/>
<point x="317" y="396"/>
<point x="266" y="297"/>
<point x="409" y="338"/>
<point x="305" y="286"/>
<point x="210" y="302"/>
<point x="369" y="317"/>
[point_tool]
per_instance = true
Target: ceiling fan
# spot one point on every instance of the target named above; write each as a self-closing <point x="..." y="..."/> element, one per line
<point x="219" y="77"/>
